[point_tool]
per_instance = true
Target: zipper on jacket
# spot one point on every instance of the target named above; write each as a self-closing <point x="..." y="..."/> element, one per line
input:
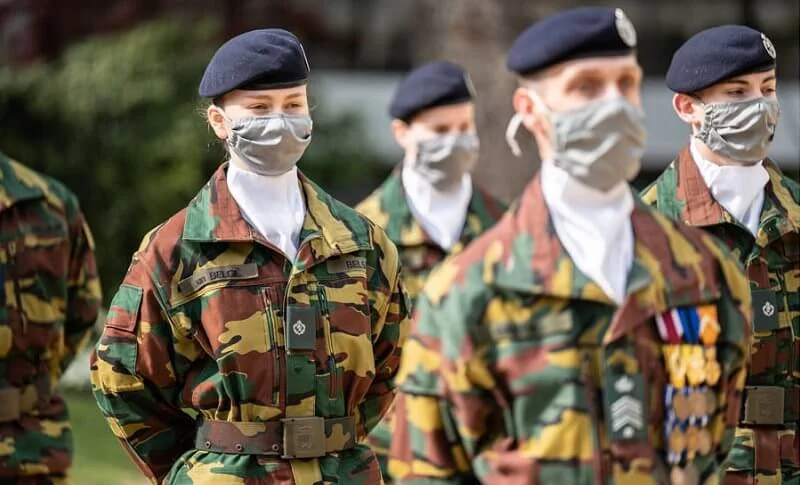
<point x="333" y="381"/>
<point x="273" y="345"/>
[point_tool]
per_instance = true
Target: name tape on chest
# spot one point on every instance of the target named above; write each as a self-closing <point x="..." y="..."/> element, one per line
<point x="204" y="277"/>
<point x="551" y="324"/>
<point x="345" y="264"/>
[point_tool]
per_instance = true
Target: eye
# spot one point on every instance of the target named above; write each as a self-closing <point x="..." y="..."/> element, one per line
<point x="735" y="92"/>
<point x="587" y="87"/>
<point x="259" y="107"/>
<point x="295" y="105"/>
<point x="769" y="91"/>
<point x="441" y="129"/>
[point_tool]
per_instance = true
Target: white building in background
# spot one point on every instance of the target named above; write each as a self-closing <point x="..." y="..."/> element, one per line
<point x="368" y="94"/>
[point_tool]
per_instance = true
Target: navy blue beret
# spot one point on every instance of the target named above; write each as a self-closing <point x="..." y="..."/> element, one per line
<point x="259" y="59"/>
<point x="572" y="34"/>
<point x="434" y="84"/>
<point x="717" y="54"/>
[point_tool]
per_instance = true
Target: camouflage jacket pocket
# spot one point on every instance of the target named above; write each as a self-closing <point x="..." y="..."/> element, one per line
<point x="238" y="326"/>
<point x="119" y="342"/>
<point x="34" y="294"/>
<point x="536" y="346"/>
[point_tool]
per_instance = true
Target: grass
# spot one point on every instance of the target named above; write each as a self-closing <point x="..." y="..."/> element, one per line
<point x="99" y="457"/>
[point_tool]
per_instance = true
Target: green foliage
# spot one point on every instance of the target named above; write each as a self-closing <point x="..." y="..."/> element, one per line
<point x="117" y="120"/>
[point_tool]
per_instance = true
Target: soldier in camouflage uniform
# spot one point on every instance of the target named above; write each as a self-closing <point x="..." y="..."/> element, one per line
<point x="586" y="338"/>
<point x="279" y="328"/>
<point x="49" y="300"/>
<point x="722" y="181"/>
<point x="429" y="206"/>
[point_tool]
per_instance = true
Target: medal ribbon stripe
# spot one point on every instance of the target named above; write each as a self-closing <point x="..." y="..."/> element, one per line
<point x="690" y="335"/>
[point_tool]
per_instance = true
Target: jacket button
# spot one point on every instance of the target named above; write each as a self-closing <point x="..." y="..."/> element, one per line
<point x="239" y="447"/>
<point x="207" y="444"/>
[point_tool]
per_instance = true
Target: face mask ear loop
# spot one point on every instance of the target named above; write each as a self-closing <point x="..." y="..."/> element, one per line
<point x="516" y="121"/>
<point x="705" y="125"/>
<point x="226" y="118"/>
<point x="511" y="134"/>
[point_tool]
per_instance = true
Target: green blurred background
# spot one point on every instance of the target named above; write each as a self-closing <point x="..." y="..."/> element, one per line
<point x="117" y="119"/>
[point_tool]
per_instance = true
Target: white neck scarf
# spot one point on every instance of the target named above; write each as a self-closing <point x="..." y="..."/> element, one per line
<point x="738" y="188"/>
<point x="274" y="206"/>
<point x="594" y="227"/>
<point x="441" y="214"/>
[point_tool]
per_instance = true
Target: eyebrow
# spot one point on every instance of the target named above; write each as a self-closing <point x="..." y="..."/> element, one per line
<point x="740" y="82"/>
<point x="268" y="97"/>
<point x="594" y="71"/>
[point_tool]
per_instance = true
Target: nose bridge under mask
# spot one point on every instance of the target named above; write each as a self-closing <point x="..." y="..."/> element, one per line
<point x="740" y="130"/>
<point x="600" y="143"/>
<point x="444" y="159"/>
<point x="270" y="144"/>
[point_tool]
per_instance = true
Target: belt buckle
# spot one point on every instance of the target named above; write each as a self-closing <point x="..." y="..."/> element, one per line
<point x="763" y="405"/>
<point x="303" y="437"/>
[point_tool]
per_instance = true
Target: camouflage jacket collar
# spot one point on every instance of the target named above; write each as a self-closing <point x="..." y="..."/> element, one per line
<point x="528" y="257"/>
<point x="409" y="232"/>
<point x="213" y="215"/>
<point x="18" y="183"/>
<point x="683" y="195"/>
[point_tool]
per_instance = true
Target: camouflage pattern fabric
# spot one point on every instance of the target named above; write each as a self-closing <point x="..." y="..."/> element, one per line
<point x="771" y="453"/>
<point x="506" y="365"/>
<point x="49" y="299"/>
<point x="212" y="318"/>
<point x="389" y="208"/>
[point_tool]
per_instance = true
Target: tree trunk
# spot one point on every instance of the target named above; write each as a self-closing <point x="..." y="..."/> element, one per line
<point x="473" y="34"/>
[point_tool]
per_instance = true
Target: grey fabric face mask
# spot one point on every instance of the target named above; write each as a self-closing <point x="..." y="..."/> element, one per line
<point x="741" y="130"/>
<point x="600" y="144"/>
<point x="272" y="144"/>
<point x="444" y="160"/>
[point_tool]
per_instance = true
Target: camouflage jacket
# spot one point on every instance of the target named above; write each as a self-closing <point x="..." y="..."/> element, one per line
<point x="519" y="369"/>
<point x="212" y="318"/>
<point x="772" y="263"/>
<point x="388" y="208"/>
<point x="49" y="298"/>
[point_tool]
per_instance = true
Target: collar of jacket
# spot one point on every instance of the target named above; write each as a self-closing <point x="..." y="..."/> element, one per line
<point x="671" y="268"/>
<point x="682" y="194"/>
<point x="403" y="228"/>
<point x="19" y="183"/>
<point x="330" y="227"/>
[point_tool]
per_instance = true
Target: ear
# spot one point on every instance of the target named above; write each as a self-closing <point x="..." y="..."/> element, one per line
<point x="217" y="121"/>
<point x="687" y="109"/>
<point x="400" y="131"/>
<point x="527" y="109"/>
